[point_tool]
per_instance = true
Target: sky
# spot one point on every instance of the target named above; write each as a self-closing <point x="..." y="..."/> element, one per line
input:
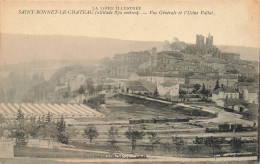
<point x="233" y="23"/>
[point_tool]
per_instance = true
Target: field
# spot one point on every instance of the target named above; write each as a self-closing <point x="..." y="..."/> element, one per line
<point x="118" y="113"/>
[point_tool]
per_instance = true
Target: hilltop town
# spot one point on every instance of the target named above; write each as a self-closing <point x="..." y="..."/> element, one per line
<point x="186" y="72"/>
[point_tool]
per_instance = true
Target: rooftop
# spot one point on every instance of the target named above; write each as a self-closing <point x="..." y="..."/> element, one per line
<point x="225" y="90"/>
<point x="157" y="74"/>
<point x="133" y="83"/>
<point x="137" y="88"/>
<point x="186" y="85"/>
<point x="175" y="54"/>
<point x="252" y="89"/>
<point x="253" y="112"/>
<point x="168" y="84"/>
<point x="231" y="102"/>
<point x="252" y="106"/>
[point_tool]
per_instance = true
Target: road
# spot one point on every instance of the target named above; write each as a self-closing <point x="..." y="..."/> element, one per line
<point x="160" y="159"/>
<point x="223" y="116"/>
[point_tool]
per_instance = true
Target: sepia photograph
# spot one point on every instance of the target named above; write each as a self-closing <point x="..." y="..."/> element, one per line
<point x="127" y="81"/>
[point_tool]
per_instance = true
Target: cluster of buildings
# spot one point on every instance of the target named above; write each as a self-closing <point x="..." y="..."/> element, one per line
<point x="180" y="70"/>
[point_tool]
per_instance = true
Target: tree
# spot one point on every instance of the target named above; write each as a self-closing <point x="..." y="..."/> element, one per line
<point x="194" y="149"/>
<point x="112" y="135"/>
<point x="153" y="139"/>
<point x="61" y="127"/>
<point x="51" y="130"/>
<point x="81" y="90"/>
<point x="212" y="142"/>
<point x="90" y="86"/>
<point x="196" y="88"/>
<point x="203" y="90"/>
<point x="91" y="132"/>
<point x="48" y="118"/>
<point x="2" y="121"/>
<point x="182" y="93"/>
<point x="95" y="101"/>
<point x="70" y="132"/>
<point x="207" y="92"/>
<point x="19" y="130"/>
<point x="217" y="86"/>
<point x="178" y="143"/>
<point x="133" y="134"/>
<point x="32" y="128"/>
<point x="99" y="88"/>
<point x="20" y="116"/>
<point x="156" y="93"/>
<point x="236" y="144"/>
<point x="61" y="124"/>
<point x="42" y="132"/>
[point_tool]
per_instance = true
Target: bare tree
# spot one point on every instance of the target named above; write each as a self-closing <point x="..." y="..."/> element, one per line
<point x="133" y="134"/>
<point x="153" y="139"/>
<point x="178" y="143"/>
<point x="112" y="136"/>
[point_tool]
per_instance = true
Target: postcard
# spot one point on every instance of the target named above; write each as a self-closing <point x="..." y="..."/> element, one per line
<point x="127" y="81"/>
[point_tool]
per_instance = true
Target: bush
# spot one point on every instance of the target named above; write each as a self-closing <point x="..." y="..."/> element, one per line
<point x="62" y="138"/>
<point x="96" y="101"/>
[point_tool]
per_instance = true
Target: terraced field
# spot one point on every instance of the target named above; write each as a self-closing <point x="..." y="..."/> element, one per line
<point x="67" y="110"/>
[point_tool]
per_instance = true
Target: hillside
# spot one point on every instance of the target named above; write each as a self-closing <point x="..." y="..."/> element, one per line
<point x="24" y="48"/>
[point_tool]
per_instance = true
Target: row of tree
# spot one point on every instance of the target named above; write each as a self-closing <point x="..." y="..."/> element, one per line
<point x="45" y="127"/>
<point x="134" y="134"/>
<point x="22" y="129"/>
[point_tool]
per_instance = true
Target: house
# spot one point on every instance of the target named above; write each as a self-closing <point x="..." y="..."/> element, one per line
<point x="230" y="56"/>
<point x="121" y="84"/>
<point x="191" y="98"/>
<point x="228" y="80"/>
<point x="224" y="93"/>
<point x="158" y="77"/>
<point x="134" y="76"/>
<point x="210" y="81"/>
<point x="244" y="85"/>
<point x="166" y="59"/>
<point x="151" y="87"/>
<point x="174" y="78"/>
<point x="168" y="89"/>
<point x="136" y="89"/>
<point x="246" y="70"/>
<point x="237" y="105"/>
<point x="124" y="64"/>
<point x="250" y="95"/>
<point x="151" y="77"/>
<point x="188" y="88"/>
<point x="109" y="84"/>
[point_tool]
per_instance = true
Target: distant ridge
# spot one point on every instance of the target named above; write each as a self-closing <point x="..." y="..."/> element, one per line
<point x="246" y="53"/>
<point x="17" y="48"/>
